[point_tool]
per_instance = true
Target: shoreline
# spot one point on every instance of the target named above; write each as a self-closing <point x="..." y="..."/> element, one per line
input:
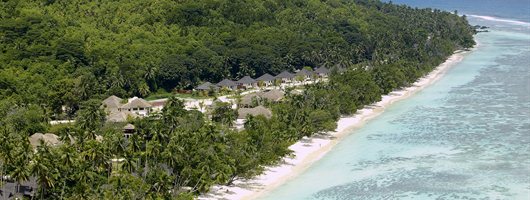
<point x="309" y="150"/>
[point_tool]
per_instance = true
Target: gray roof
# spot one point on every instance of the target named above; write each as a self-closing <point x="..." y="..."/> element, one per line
<point x="112" y="102"/>
<point x="137" y="103"/>
<point x="206" y="86"/>
<point x="27" y="188"/>
<point x="322" y="70"/>
<point x="304" y="72"/>
<point x="285" y="74"/>
<point x="48" y="138"/>
<point x="265" y="77"/>
<point x="260" y="110"/>
<point x="226" y="83"/>
<point x="246" y="80"/>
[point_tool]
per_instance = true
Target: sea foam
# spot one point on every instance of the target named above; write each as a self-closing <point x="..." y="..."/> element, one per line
<point x="510" y="21"/>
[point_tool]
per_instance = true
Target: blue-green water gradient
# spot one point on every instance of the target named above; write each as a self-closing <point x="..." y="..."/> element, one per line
<point x="465" y="137"/>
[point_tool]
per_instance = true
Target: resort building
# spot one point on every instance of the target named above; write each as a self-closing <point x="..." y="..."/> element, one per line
<point x="112" y="104"/>
<point x="228" y="84"/>
<point x="247" y="82"/>
<point x="305" y="74"/>
<point x="128" y="130"/>
<point x="267" y="79"/>
<point x="134" y="107"/>
<point x="137" y="106"/>
<point x="322" y="72"/>
<point x="285" y="76"/>
<point x="259" y="98"/>
<point x="207" y="86"/>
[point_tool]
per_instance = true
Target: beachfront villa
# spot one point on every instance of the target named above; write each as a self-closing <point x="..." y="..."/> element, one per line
<point x="266" y="79"/>
<point x="228" y="84"/>
<point x="247" y="82"/>
<point x="119" y="111"/>
<point x="322" y="72"/>
<point x="286" y="77"/>
<point x="137" y="106"/>
<point x="305" y="74"/>
<point x="206" y="86"/>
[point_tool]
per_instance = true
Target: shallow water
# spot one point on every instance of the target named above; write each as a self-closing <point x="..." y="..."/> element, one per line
<point x="465" y="137"/>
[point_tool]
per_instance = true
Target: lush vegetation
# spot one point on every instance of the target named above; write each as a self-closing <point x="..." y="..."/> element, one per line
<point x="60" y="58"/>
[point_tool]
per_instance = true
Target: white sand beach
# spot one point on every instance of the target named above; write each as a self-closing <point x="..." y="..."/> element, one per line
<point x="309" y="150"/>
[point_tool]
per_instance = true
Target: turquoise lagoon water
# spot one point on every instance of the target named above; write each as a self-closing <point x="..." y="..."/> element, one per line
<point x="465" y="137"/>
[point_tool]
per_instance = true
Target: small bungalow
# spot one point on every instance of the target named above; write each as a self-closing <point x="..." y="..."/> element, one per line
<point x="306" y="74"/>
<point x="260" y="110"/>
<point x="247" y="82"/>
<point x="285" y="76"/>
<point x="322" y="72"/>
<point x="267" y="79"/>
<point x="138" y="106"/>
<point x="12" y="190"/>
<point x="226" y="83"/>
<point x="128" y="130"/>
<point x="207" y="86"/>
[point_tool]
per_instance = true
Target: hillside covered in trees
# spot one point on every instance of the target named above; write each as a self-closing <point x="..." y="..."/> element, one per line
<point x="61" y="58"/>
<point x="61" y="53"/>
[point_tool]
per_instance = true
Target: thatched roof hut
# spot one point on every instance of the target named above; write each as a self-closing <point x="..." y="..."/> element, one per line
<point x="136" y="102"/>
<point x="260" y="110"/>
<point x="48" y="138"/>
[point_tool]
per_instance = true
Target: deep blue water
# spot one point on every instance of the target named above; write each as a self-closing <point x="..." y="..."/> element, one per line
<point x="465" y="137"/>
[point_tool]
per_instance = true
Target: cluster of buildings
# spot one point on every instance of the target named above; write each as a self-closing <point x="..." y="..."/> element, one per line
<point x="119" y="110"/>
<point x="266" y="80"/>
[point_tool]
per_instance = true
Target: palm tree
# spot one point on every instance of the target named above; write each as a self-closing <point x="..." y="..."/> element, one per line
<point x="42" y="168"/>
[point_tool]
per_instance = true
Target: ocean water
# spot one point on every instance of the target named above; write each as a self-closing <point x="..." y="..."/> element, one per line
<point x="465" y="137"/>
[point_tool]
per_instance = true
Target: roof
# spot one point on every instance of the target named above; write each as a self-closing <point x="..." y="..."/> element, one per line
<point x="273" y="95"/>
<point x="157" y="103"/>
<point x="120" y="116"/>
<point x="206" y="86"/>
<point x="304" y="72"/>
<point x="226" y="83"/>
<point x="322" y="70"/>
<point x="48" y="138"/>
<point x="129" y="127"/>
<point x="136" y="102"/>
<point x="246" y="80"/>
<point x="265" y="77"/>
<point x="112" y="102"/>
<point x="8" y="190"/>
<point x="247" y="99"/>
<point x="260" y="110"/>
<point x="285" y="74"/>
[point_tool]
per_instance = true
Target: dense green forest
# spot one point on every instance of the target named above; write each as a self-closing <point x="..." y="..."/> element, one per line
<point x="59" y="54"/>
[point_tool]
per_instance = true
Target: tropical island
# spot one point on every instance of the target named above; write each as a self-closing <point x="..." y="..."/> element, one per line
<point x="166" y="99"/>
